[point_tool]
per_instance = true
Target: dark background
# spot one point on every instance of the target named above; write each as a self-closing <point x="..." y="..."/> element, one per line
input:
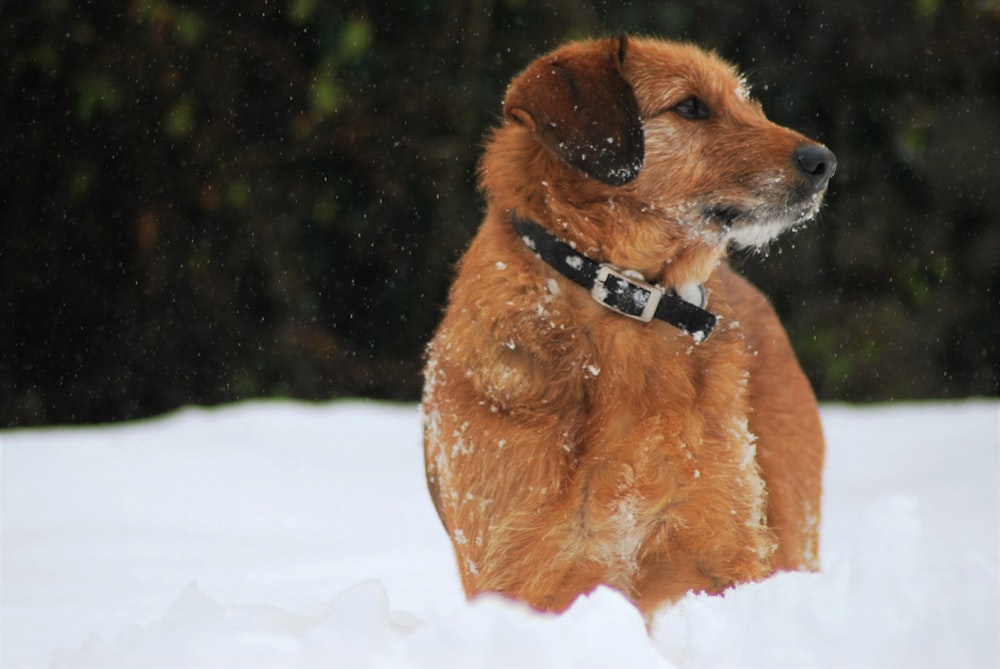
<point x="205" y="203"/>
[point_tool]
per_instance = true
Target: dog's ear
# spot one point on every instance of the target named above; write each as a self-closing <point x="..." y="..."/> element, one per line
<point x="579" y="105"/>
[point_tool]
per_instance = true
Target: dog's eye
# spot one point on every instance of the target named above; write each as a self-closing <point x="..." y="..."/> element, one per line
<point x="692" y="108"/>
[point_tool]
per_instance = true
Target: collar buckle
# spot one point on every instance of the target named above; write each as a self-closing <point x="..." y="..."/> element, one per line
<point x="625" y="295"/>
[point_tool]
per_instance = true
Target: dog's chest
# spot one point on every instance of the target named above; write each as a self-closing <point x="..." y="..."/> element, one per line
<point x="667" y="432"/>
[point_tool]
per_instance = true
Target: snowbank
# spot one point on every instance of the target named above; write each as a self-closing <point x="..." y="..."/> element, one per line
<point x="284" y="534"/>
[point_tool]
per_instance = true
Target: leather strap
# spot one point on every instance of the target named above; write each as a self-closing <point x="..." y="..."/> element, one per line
<point x="616" y="289"/>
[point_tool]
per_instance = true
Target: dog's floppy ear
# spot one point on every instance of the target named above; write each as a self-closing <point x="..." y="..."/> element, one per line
<point x="579" y="105"/>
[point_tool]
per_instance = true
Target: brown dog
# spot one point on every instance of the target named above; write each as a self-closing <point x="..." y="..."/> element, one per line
<point x="583" y="425"/>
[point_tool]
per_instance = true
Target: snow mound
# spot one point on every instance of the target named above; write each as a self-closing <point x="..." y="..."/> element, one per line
<point x="293" y="535"/>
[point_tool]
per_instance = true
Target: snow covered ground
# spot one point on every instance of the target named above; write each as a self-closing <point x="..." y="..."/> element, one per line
<point x="287" y="534"/>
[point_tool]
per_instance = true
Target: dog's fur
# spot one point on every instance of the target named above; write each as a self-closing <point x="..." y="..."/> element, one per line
<point x="568" y="446"/>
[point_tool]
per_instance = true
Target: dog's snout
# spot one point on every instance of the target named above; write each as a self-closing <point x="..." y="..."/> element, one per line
<point x="817" y="163"/>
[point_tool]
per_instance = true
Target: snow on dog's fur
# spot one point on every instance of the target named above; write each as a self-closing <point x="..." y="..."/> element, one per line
<point x="568" y="446"/>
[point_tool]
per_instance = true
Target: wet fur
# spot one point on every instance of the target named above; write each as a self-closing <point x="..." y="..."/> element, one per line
<point x="567" y="446"/>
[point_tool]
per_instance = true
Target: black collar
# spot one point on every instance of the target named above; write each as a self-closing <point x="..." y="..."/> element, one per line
<point x="614" y="288"/>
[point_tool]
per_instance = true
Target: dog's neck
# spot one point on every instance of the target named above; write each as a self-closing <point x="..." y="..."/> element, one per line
<point x="624" y="291"/>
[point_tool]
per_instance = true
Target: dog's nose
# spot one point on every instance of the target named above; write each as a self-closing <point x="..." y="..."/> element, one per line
<point x="817" y="163"/>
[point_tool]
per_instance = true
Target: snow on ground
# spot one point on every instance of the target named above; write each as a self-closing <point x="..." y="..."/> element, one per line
<point x="286" y="534"/>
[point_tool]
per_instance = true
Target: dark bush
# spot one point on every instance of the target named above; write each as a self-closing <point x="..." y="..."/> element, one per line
<point x="205" y="203"/>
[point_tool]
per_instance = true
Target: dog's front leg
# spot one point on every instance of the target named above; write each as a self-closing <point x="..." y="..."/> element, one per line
<point x="503" y="481"/>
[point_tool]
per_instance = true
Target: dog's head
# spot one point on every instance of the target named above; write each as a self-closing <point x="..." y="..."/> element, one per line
<point x="673" y="129"/>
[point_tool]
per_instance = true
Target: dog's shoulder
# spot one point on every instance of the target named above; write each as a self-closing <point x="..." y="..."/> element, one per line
<point x="509" y="326"/>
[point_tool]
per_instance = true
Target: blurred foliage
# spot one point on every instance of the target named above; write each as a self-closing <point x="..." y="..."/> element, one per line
<point x="201" y="203"/>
